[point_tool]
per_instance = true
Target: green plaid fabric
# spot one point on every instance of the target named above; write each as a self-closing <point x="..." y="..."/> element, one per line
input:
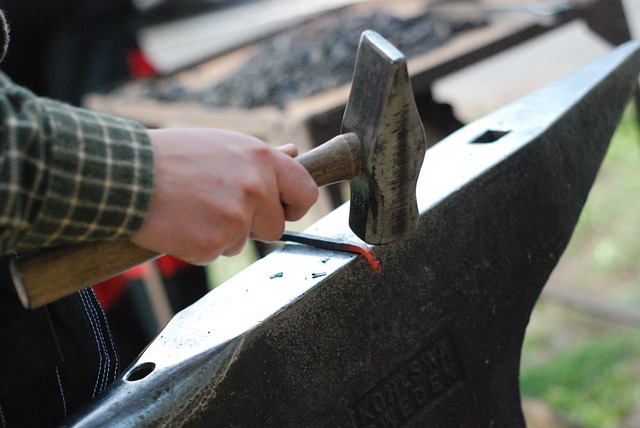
<point x="4" y="35"/>
<point x="68" y="174"/>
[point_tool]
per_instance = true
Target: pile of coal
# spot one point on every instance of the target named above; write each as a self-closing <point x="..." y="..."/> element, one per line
<point x="310" y="59"/>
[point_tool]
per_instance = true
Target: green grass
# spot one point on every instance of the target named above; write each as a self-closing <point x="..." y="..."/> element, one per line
<point x="594" y="382"/>
<point x="587" y="368"/>
<point x="608" y="233"/>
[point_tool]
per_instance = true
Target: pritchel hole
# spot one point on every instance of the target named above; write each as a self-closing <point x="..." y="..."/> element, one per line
<point x="490" y="136"/>
<point x="140" y="372"/>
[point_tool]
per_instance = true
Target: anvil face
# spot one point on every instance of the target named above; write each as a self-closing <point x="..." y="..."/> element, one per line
<point x="308" y="337"/>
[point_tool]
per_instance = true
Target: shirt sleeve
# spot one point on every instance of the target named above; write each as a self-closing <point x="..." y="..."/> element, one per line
<point x="68" y="174"/>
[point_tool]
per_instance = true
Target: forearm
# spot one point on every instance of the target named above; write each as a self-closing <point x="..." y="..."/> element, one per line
<point x="67" y="174"/>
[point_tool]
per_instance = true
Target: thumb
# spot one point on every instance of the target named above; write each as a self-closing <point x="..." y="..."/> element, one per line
<point x="289" y="150"/>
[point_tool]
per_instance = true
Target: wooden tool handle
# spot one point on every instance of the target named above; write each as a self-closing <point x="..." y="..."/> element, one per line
<point x="336" y="160"/>
<point x="52" y="274"/>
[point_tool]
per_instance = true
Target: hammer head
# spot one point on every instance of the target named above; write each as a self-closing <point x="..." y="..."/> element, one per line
<point x="382" y="112"/>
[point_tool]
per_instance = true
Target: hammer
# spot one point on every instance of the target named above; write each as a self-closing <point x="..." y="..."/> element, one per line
<point x="380" y="150"/>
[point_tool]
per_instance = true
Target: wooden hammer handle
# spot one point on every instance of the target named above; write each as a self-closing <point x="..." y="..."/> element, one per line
<point x="338" y="159"/>
<point x="51" y="274"/>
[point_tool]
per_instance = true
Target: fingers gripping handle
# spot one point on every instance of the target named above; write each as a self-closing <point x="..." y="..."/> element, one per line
<point x="52" y="274"/>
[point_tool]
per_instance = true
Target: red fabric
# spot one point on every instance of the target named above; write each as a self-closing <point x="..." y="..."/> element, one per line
<point x="109" y="291"/>
<point x="169" y="265"/>
<point x="140" y="66"/>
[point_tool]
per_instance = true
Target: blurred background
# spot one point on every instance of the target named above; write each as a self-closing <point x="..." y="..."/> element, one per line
<point x="280" y="69"/>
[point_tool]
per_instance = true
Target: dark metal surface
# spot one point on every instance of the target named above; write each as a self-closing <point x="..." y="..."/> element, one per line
<point x="313" y="338"/>
<point x="382" y="112"/>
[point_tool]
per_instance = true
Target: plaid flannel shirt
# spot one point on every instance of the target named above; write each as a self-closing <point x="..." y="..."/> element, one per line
<point x="68" y="174"/>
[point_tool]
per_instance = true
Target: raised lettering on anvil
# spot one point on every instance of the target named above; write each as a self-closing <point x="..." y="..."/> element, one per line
<point x="413" y="386"/>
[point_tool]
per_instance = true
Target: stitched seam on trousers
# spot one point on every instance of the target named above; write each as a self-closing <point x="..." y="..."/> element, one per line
<point x="105" y="349"/>
<point x="64" y="401"/>
<point x="104" y="356"/>
<point x="93" y="328"/>
<point x="2" y="421"/>
<point x="103" y="315"/>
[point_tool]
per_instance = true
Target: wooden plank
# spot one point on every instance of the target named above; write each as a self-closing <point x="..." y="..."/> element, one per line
<point x="264" y="122"/>
<point x="180" y="44"/>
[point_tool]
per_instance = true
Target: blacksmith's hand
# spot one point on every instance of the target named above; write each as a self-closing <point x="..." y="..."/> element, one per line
<point x="214" y="189"/>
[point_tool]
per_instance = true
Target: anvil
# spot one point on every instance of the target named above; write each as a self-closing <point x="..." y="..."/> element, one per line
<point x="313" y="338"/>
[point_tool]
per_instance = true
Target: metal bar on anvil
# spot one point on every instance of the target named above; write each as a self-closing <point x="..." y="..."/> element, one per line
<point x="309" y="337"/>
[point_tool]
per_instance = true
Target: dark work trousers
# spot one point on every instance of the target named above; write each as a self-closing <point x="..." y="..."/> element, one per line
<point x="53" y="359"/>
